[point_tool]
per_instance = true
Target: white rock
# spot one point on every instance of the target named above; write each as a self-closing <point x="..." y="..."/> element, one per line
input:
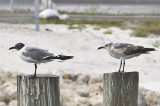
<point x="96" y="80"/>
<point x="82" y="79"/>
<point x="96" y="100"/>
<point x="11" y="89"/>
<point x="83" y="93"/>
<point x="4" y="97"/>
<point x="13" y="103"/>
<point x="2" y="104"/>
<point x="141" y="100"/>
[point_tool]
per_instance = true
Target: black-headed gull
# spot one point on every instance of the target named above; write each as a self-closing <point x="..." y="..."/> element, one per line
<point x="36" y="55"/>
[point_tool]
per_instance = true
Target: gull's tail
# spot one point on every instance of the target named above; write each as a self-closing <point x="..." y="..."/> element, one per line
<point x="139" y="49"/>
<point x="60" y="57"/>
<point x="63" y="57"/>
<point x="147" y="50"/>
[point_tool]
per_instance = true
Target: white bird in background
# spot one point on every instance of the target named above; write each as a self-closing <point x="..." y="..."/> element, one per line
<point x="125" y="51"/>
<point x="36" y="55"/>
<point x="52" y="12"/>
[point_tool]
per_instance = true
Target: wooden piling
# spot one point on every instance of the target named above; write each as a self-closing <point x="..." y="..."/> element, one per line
<point x="120" y="89"/>
<point x="44" y="90"/>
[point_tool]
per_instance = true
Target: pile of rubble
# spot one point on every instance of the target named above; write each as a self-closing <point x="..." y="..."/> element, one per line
<point x="76" y="90"/>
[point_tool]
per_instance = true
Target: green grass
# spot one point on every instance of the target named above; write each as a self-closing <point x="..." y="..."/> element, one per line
<point x="140" y="33"/>
<point x="76" y="26"/>
<point x="146" y="28"/>
<point x="107" y="32"/>
<point x="156" y="44"/>
<point x="97" y="28"/>
<point x="100" y="23"/>
<point x="143" y="27"/>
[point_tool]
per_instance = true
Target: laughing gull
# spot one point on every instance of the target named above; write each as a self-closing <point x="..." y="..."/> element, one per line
<point x="125" y="51"/>
<point x="36" y="55"/>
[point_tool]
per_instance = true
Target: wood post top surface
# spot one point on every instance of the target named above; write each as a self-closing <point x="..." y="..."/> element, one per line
<point x="39" y="76"/>
<point x="133" y="72"/>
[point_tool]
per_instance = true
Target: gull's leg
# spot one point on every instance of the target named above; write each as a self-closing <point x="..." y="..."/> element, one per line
<point x="120" y="66"/>
<point x="35" y="69"/>
<point x="123" y="65"/>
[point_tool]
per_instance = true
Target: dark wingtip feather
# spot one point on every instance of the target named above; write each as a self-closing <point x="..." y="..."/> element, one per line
<point x="70" y="57"/>
<point x="62" y="57"/>
<point x="149" y="49"/>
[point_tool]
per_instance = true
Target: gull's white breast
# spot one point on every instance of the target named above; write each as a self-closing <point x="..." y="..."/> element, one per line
<point x="25" y="58"/>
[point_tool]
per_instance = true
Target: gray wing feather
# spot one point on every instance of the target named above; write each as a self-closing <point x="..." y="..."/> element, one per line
<point x="28" y="49"/>
<point x="122" y="45"/>
<point x="128" y="49"/>
<point x="36" y="53"/>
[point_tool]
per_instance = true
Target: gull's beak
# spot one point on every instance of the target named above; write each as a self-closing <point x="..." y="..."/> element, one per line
<point x="12" y="48"/>
<point x="102" y="47"/>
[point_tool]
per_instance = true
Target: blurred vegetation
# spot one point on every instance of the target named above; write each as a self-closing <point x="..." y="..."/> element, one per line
<point x="97" y="28"/>
<point x="94" y="11"/>
<point x="140" y="32"/>
<point x="147" y="27"/>
<point x="156" y="43"/>
<point x="107" y="32"/>
<point x="77" y="26"/>
<point x="17" y="11"/>
<point x="142" y="28"/>
<point x="100" y="23"/>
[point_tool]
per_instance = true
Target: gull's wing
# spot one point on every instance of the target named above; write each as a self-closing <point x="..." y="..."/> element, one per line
<point x="128" y="49"/>
<point x="36" y="53"/>
<point x="122" y="45"/>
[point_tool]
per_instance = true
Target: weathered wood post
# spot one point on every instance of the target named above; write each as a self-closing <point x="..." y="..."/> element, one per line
<point x="43" y="90"/>
<point x="120" y="89"/>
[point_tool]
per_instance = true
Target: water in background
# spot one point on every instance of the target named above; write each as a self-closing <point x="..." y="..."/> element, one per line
<point x="17" y="4"/>
<point x="111" y="8"/>
<point x="109" y="1"/>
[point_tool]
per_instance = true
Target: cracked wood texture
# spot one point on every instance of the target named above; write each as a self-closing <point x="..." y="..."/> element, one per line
<point x="44" y="90"/>
<point x="120" y="89"/>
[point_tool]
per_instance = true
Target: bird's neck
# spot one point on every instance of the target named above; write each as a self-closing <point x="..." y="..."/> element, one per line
<point x="21" y="50"/>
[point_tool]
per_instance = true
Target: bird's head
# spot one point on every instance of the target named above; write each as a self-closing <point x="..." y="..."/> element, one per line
<point x="17" y="46"/>
<point x="108" y="45"/>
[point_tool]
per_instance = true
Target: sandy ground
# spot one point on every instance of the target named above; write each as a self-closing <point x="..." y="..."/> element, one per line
<point x="81" y="44"/>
